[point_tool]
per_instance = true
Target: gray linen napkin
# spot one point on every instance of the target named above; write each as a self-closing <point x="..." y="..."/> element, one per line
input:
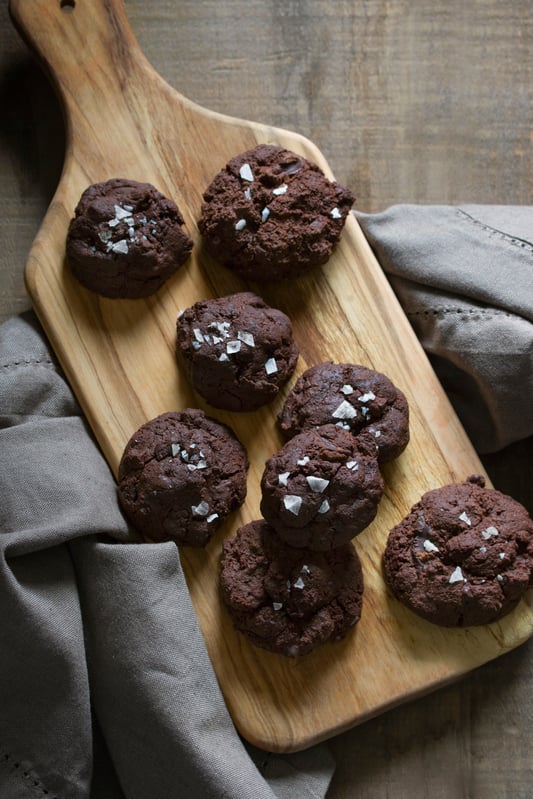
<point x="464" y="276"/>
<point x="106" y="689"/>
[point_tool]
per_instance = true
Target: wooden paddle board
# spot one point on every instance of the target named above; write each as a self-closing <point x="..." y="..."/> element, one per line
<point x="123" y="120"/>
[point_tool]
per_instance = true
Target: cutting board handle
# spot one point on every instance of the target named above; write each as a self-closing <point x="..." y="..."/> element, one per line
<point x="88" y="49"/>
<point x="104" y="82"/>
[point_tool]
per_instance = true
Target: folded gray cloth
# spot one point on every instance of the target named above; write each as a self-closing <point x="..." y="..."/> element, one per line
<point x="106" y="689"/>
<point x="464" y="276"/>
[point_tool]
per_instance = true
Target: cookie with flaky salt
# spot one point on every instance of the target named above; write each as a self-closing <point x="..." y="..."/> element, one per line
<point x="354" y="397"/>
<point x="271" y="214"/>
<point x="238" y="352"/>
<point x="180" y="476"/>
<point x="289" y="600"/>
<point x="322" y="488"/>
<point x="126" y="239"/>
<point x="462" y="556"/>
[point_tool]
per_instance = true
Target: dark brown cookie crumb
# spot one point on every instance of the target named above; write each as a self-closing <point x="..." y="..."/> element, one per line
<point x="180" y="476"/>
<point x="322" y="488"/>
<point x="238" y="352"/>
<point x="126" y="239"/>
<point x="271" y="214"/>
<point x="289" y="600"/>
<point x="463" y="555"/>
<point x="353" y="397"/>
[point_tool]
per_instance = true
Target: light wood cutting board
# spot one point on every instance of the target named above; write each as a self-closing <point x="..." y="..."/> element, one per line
<point x="123" y="120"/>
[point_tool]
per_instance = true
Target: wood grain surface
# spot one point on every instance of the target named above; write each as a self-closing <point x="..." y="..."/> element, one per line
<point x="407" y="125"/>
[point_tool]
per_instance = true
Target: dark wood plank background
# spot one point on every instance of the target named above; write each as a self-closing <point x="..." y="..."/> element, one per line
<point x="421" y="101"/>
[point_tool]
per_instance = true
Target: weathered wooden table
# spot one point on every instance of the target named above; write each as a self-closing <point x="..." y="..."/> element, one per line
<point x="409" y="102"/>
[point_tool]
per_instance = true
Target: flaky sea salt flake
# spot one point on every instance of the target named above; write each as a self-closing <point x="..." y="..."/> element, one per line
<point x="429" y="546"/>
<point x="120" y="246"/>
<point x="271" y="366"/>
<point x="456" y="576"/>
<point x="200" y="510"/>
<point x="368" y="397"/>
<point x="283" y="478"/>
<point x="280" y="189"/>
<point x="232" y="347"/>
<point x="246" y="172"/>
<point x="292" y="503"/>
<point x="240" y="224"/>
<point x="345" y="411"/>
<point x="317" y="484"/>
<point x="490" y="532"/>
<point x="246" y="338"/>
<point x="335" y="213"/>
<point x="465" y="518"/>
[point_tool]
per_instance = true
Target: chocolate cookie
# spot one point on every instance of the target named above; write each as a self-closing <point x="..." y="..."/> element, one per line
<point x="271" y="214"/>
<point x="463" y="555"/>
<point x="125" y="239"/>
<point x="353" y="397"/>
<point x="321" y="488"/>
<point x="289" y="600"/>
<point x="238" y="351"/>
<point x="180" y="476"/>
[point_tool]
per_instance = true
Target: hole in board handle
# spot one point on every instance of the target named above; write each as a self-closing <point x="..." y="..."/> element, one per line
<point x="67" y="6"/>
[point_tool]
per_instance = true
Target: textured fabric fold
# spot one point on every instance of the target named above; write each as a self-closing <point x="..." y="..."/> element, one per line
<point x="464" y="276"/>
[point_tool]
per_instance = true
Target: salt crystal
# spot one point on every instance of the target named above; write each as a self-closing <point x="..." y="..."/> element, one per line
<point x="212" y="517"/>
<point x="456" y="576"/>
<point x="120" y="246"/>
<point x="345" y="411"/>
<point x="352" y="465"/>
<point x="335" y="213"/>
<point x="346" y="389"/>
<point x="317" y="484"/>
<point x="240" y="224"/>
<point x="265" y="213"/>
<point x="200" y="510"/>
<point x="429" y="546"/>
<point x="246" y="338"/>
<point x="292" y="503"/>
<point x="465" y="518"/>
<point x="246" y="172"/>
<point x="490" y="532"/>
<point x="283" y="477"/>
<point x="324" y="507"/>
<point x="299" y="583"/>
<point x="271" y="366"/>
<point x="198" y="335"/>
<point x="232" y="347"/>
<point x="121" y="213"/>
<point x="277" y="605"/>
<point x="368" y="397"/>
<point x="175" y="448"/>
<point x="280" y="189"/>
<point x="303" y="461"/>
